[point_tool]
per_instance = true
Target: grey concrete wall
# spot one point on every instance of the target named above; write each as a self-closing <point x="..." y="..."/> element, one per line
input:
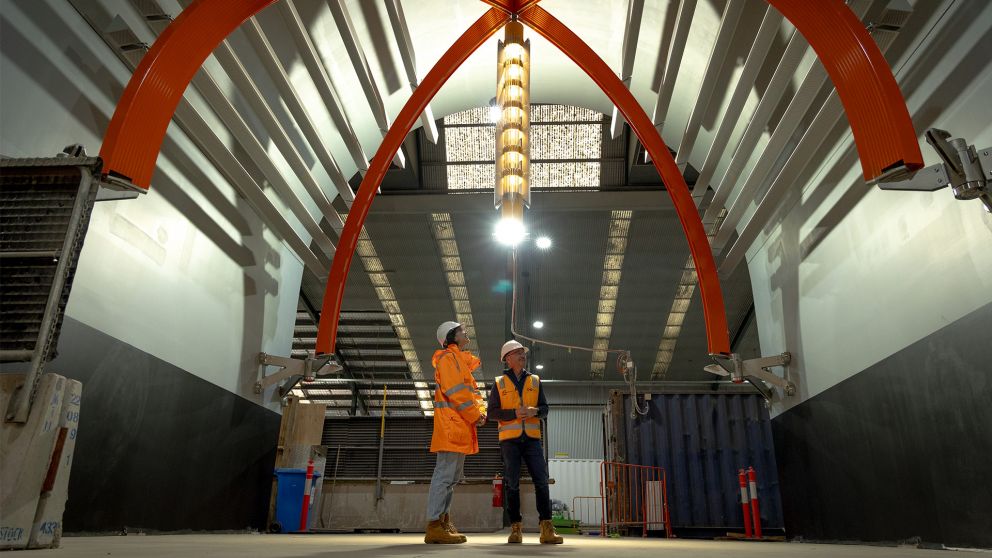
<point x="350" y="505"/>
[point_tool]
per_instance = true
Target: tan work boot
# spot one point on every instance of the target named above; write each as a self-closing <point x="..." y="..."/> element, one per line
<point x="450" y="527"/>
<point x="437" y="534"/>
<point x="548" y="534"/>
<point x="516" y="533"/>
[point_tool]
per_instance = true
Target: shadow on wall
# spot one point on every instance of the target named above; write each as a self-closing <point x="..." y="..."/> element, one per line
<point x="791" y="247"/>
<point x="260" y="283"/>
<point x="159" y="447"/>
<point x="936" y="105"/>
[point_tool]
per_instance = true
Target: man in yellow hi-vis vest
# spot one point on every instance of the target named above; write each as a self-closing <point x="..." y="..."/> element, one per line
<point x="517" y="402"/>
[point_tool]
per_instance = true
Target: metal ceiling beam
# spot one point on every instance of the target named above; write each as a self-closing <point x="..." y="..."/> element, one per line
<point x="214" y="149"/>
<point x="806" y="151"/>
<point x="781" y="79"/>
<point x="749" y="73"/>
<point x="205" y="138"/>
<point x="207" y="87"/>
<point x="405" y="45"/>
<point x="246" y="85"/>
<point x="345" y="322"/>
<point x="318" y="73"/>
<point x="635" y="9"/>
<point x="772" y="152"/>
<point x="266" y="54"/>
<point x="231" y="118"/>
<point x="683" y="22"/>
<point x="347" y="31"/>
<point x="343" y="346"/>
<point x="721" y="47"/>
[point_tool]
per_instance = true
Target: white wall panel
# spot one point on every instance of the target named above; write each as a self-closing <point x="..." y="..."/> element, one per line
<point x="578" y="477"/>
<point x="575" y="432"/>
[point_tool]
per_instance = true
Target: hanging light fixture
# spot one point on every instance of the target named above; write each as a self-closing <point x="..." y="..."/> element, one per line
<point x="512" y="133"/>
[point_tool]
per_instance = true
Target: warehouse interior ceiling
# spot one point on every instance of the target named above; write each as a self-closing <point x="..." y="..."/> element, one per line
<point x="735" y="92"/>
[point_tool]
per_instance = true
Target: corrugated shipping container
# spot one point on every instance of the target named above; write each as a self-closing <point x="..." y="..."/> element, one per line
<point x="701" y="441"/>
<point x="575" y="432"/>
<point x="578" y="477"/>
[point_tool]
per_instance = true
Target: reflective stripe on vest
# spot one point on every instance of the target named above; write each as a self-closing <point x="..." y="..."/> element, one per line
<point x="511" y="400"/>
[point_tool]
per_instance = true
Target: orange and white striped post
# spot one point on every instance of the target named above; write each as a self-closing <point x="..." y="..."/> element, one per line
<point x="306" y="497"/>
<point x="752" y="479"/>
<point x="745" y="502"/>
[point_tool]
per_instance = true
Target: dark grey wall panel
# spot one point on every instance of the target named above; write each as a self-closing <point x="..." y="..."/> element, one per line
<point x="159" y="448"/>
<point x="899" y="451"/>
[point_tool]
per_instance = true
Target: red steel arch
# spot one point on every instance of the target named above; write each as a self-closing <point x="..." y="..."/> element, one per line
<point x="882" y="129"/>
<point x="134" y="136"/>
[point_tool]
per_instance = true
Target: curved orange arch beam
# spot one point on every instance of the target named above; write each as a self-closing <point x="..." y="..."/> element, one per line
<point x="883" y="130"/>
<point x="538" y="19"/>
<point x="490" y="22"/>
<point x="134" y="137"/>
<point x="718" y="337"/>
<point x="881" y="125"/>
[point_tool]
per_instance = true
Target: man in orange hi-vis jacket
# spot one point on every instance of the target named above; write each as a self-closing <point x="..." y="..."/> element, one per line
<point x="458" y="411"/>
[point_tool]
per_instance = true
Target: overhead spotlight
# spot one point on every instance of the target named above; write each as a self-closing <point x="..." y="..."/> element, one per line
<point x="539" y="367"/>
<point x="510" y="231"/>
<point x="543" y="243"/>
<point x="494" y="111"/>
<point x="538" y="324"/>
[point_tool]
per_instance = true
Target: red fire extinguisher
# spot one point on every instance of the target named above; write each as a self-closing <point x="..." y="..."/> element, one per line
<point x="498" y="492"/>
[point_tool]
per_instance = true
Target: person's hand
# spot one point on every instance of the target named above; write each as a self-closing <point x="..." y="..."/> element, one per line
<point x="481" y="422"/>
<point x="526" y="412"/>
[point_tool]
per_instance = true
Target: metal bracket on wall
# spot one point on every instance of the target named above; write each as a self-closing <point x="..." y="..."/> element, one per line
<point x="754" y="371"/>
<point x="295" y="370"/>
<point x="965" y="169"/>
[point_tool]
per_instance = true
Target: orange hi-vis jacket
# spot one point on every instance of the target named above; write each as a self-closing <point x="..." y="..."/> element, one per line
<point x="510" y="399"/>
<point x="458" y="404"/>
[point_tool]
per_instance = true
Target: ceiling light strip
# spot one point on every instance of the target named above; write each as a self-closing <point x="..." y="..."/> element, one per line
<point x="676" y="315"/>
<point x="387" y="297"/>
<point x="444" y="237"/>
<point x="616" y="247"/>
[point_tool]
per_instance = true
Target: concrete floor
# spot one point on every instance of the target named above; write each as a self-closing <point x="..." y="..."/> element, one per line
<point x="364" y="546"/>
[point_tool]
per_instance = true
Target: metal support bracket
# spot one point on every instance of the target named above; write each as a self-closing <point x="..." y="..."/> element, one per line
<point x="117" y="188"/>
<point x="294" y="371"/>
<point x="968" y="171"/>
<point x="754" y="371"/>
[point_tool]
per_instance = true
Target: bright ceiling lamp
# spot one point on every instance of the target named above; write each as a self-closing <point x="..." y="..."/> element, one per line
<point x="543" y="243"/>
<point x="510" y="231"/>
<point x="512" y="193"/>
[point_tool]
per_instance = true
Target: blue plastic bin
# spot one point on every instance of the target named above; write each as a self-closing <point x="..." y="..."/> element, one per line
<point x="290" y="488"/>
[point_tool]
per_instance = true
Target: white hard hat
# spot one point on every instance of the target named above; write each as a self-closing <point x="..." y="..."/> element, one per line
<point x="509" y="347"/>
<point x="444" y="329"/>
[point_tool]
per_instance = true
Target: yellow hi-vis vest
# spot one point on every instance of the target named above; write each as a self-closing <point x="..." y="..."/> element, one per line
<point x="510" y="399"/>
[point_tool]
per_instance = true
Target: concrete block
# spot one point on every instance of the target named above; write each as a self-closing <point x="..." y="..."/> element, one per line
<point x="47" y="529"/>
<point x="25" y="457"/>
